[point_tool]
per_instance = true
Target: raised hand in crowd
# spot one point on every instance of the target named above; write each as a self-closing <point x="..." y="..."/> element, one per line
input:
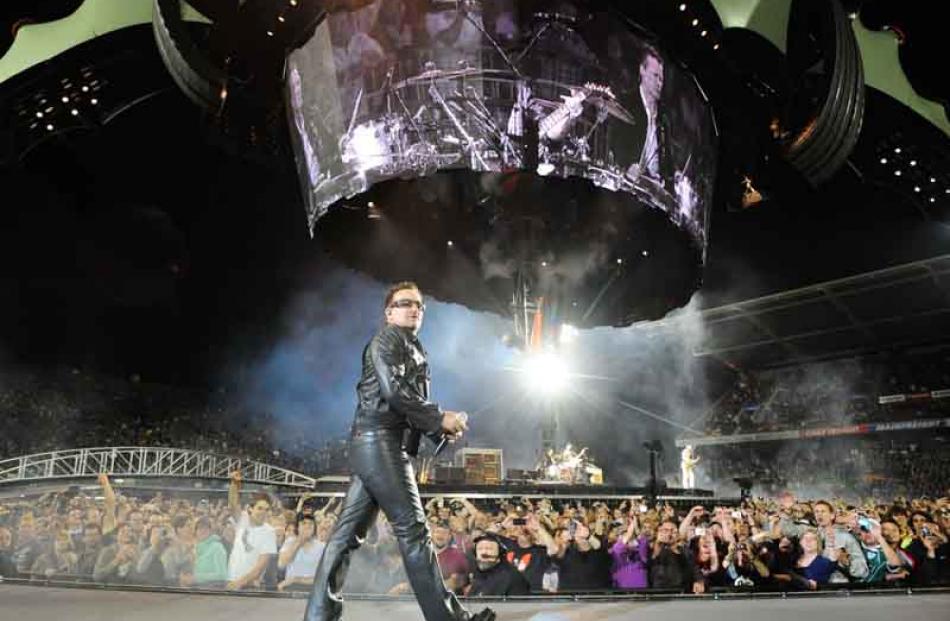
<point x="234" y="493"/>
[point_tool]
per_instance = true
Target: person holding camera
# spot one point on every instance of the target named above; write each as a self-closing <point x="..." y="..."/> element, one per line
<point x="149" y="568"/>
<point x="300" y="555"/>
<point x="690" y="523"/>
<point x="882" y="558"/>
<point x="631" y="555"/>
<point x="118" y="561"/>
<point x="669" y="565"/>
<point x="836" y="542"/>
<point x="60" y="560"/>
<point x="744" y="566"/>
<point x="530" y="546"/>
<point x="704" y="554"/>
<point x="583" y="563"/>
<point x="913" y="542"/>
<point x="935" y="565"/>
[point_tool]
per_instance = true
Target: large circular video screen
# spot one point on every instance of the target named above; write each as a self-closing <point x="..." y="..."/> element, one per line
<point x="405" y="88"/>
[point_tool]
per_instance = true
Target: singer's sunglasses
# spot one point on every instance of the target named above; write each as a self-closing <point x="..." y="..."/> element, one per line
<point x="408" y="304"/>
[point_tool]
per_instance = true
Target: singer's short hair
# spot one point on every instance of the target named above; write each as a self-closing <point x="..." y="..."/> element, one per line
<point x="396" y="288"/>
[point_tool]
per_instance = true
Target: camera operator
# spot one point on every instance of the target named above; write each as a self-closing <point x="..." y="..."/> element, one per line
<point x="493" y="574"/>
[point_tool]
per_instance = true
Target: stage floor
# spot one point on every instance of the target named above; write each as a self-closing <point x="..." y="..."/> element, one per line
<point x="34" y="603"/>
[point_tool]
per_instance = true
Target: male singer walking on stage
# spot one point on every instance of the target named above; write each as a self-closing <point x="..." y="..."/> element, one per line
<point x="393" y="412"/>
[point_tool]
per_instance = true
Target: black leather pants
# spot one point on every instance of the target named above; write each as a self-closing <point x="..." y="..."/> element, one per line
<point x="383" y="478"/>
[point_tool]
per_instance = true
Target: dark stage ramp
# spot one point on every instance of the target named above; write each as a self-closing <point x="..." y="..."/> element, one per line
<point x="33" y="603"/>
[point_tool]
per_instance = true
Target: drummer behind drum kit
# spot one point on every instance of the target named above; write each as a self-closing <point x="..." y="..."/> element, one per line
<point x="569" y="467"/>
<point x="450" y="124"/>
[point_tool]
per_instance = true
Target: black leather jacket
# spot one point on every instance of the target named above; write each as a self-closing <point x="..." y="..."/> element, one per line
<point x="393" y="390"/>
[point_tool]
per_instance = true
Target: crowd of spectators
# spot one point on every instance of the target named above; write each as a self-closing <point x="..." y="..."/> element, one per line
<point x="510" y="546"/>
<point x="840" y="392"/>
<point x="911" y="464"/>
<point x="500" y="546"/>
<point x="70" y="408"/>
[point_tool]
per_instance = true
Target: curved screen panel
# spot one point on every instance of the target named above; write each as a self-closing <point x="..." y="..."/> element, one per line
<point x="403" y="88"/>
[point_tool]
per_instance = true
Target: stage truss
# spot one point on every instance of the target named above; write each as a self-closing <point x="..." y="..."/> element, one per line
<point x="141" y="461"/>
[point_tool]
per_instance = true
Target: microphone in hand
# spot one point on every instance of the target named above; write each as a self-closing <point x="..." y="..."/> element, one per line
<point x="461" y="425"/>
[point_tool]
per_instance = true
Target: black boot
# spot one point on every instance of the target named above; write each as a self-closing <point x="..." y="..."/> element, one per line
<point x="485" y="615"/>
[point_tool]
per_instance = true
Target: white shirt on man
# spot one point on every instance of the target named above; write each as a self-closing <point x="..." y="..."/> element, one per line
<point x="249" y="543"/>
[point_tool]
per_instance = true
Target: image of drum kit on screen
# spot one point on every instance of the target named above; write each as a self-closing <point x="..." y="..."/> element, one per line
<point x="444" y="118"/>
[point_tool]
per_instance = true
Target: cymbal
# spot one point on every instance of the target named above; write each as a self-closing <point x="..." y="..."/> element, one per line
<point x="438" y="74"/>
<point x="613" y="108"/>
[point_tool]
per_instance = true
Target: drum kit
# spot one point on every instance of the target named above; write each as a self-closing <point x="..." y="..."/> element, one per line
<point x="569" y="467"/>
<point x="439" y="118"/>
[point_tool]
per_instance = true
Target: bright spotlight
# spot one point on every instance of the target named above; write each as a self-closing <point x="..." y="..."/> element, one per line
<point x="545" y="373"/>
<point x="568" y="333"/>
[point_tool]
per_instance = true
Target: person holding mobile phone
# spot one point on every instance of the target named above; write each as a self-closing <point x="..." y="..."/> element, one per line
<point x="836" y="542"/>
<point x="630" y="556"/>
<point x="583" y="562"/>
<point x="669" y="565"/>
<point x="530" y="548"/>
<point x="880" y="555"/>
